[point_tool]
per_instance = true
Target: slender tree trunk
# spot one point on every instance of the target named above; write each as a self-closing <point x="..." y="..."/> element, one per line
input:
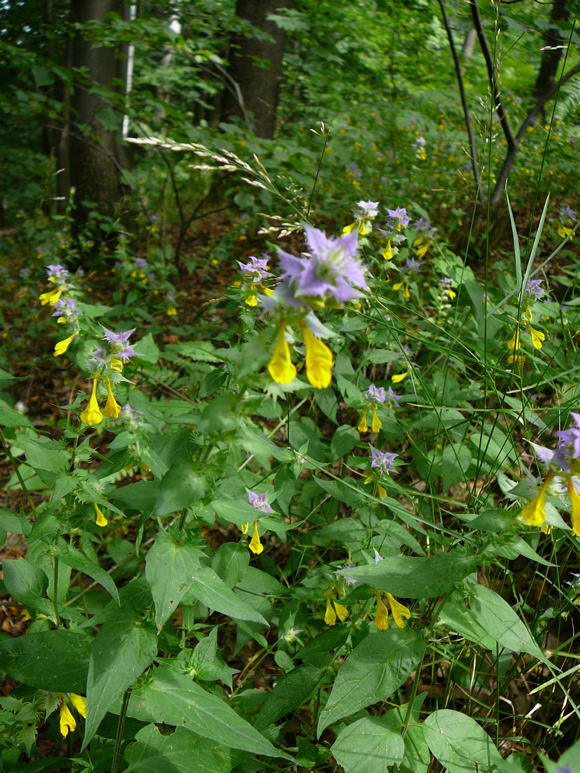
<point x="252" y="81"/>
<point x="552" y="52"/>
<point x="93" y="145"/>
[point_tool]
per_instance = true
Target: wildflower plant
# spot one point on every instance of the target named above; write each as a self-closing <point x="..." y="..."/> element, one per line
<point x="216" y="545"/>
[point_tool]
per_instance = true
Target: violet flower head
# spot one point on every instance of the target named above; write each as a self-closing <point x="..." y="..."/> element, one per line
<point x="257" y="267"/>
<point x="259" y="501"/>
<point x="141" y="262"/>
<point x="534" y="287"/>
<point x="350" y="580"/>
<point x="399" y="217"/>
<point x="446" y="281"/>
<point x="99" y="356"/>
<point x="569" y="448"/>
<point x="354" y="169"/>
<point x="382" y="461"/>
<point x="368" y="209"/>
<point x="420" y="142"/>
<point x="57" y="273"/>
<point x="376" y="393"/>
<point x="331" y="270"/>
<point x="567" y="213"/>
<point x="413" y="266"/>
<point x="117" y="339"/>
<point x="126" y="353"/>
<point x="424" y="226"/>
<point x="391" y="396"/>
<point x="128" y="412"/>
<point x="66" y="307"/>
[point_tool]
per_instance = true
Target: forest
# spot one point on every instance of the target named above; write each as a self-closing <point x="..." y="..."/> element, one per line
<point x="289" y="386"/>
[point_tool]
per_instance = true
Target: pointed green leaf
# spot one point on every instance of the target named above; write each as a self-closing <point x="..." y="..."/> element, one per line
<point x="459" y="743"/>
<point x="154" y="752"/>
<point x="368" y="746"/>
<point x="372" y="672"/>
<point x="180" y="487"/>
<point x="174" y="699"/>
<point x="206" y="586"/>
<point x="120" y="653"/>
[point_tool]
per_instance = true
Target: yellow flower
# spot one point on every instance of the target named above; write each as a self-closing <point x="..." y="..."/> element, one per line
<point x="255" y="544"/>
<point x="575" y="502"/>
<point x="92" y="414"/>
<point x="422" y="250"/>
<point x="251" y="300"/>
<point x="61" y="346"/>
<point x="381" y="614"/>
<point x="398" y="377"/>
<point x="399" y="611"/>
<point x="171" y="311"/>
<point x="362" y="425"/>
<point x="100" y="520"/>
<point x="514" y="343"/>
<point x="376" y="422"/>
<point x="349" y="228"/>
<point x="537" y="337"/>
<point x="80" y="703"/>
<point x="112" y="408"/>
<point x="318" y="360"/>
<point x="330" y="614"/>
<point x="388" y="253"/>
<point x="244" y="527"/>
<point x="406" y="291"/>
<point x="397" y="286"/>
<point x="280" y="366"/>
<point x="116" y="364"/>
<point x="563" y="231"/>
<point x="67" y="721"/>
<point x="381" y="492"/>
<point x="451" y="293"/>
<point x="534" y="513"/>
<point x="341" y="611"/>
<point x="52" y="296"/>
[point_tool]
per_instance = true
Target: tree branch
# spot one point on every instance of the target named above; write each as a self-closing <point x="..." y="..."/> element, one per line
<point x="497" y="102"/>
<point x="458" y="75"/>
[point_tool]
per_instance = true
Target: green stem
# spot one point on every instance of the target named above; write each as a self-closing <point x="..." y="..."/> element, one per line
<point x="181" y="523"/>
<point x="55" y="591"/>
<point x="119" y="735"/>
<point x="14" y="464"/>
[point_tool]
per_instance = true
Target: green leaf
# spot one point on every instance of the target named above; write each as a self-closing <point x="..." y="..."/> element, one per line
<point x="416" y="578"/>
<point x="138" y="496"/>
<point x="206" y="586"/>
<point x="24" y="581"/>
<point x="12" y="418"/>
<point x="486" y="619"/>
<point x="180" y="487"/>
<point x="43" y="453"/>
<point x="174" y="753"/>
<point x="147" y="349"/>
<point x="368" y="746"/>
<point x="343" y="441"/>
<point x="570" y="760"/>
<point x="168" y="569"/>
<point x="291" y="691"/>
<point x="459" y="743"/>
<point x="77" y="560"/>
<point x="206" y="664"/>
<point x="36" y="659"/>
<point x="172" y="698"/>
<point x="372" y="672"/>
<point x="121" y="651"/>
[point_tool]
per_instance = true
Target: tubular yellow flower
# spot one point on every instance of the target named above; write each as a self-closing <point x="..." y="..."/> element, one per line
<point x="388" y="253"/>
<point x="100" y="519"/>
<point x="67" y="721"/>
<point x="563" y="231"/>
<point x="422" y="250"/>
<point x="92" y="414"/>
<point x="318" y="360"/>
<point x="537" y="337"/>
<point x="376" y="422"/>
<point x="251" y="300"/>
<point x="399" y="611"/>
<point x="381" y="614"/>
<point x="398" y="377"/>
<point x="112" y="408"/>
<point x="381" y="492"/>
<point x="341" y="611"/>
<point x="575" y="502"/>
<point x="52" y="296"/>
<point x="116" y="364"/>
<point x="244" y="527"/>
<point x="61" y="346"/>
<point x="534" y="513"/>
<point x="514" y="343"/>
<point x="255" y="544"/>
<point x="280" y="366"/>
<point x="397" y="286"/>
<point x="362" y="425"/>
<point x="330" y="614"/>
<point x="80" y="703"/>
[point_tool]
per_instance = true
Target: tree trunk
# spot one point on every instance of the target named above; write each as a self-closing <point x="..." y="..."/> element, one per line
<point x="552" y="53"/>
<point x="93" y="145"/>
<point x="252" y="84"/>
